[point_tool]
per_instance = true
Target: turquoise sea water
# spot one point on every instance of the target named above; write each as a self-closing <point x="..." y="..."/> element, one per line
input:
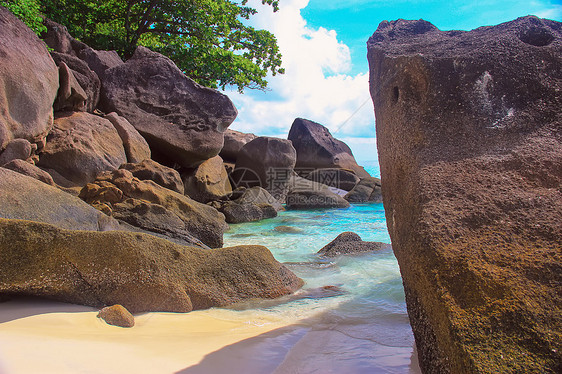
<point x="359" y="327"/>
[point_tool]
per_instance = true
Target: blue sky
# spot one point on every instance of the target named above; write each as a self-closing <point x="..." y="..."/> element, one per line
<point x="323" y="43"/>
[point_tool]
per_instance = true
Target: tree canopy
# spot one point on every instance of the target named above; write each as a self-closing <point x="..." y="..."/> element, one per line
<point x="207" y="39"/>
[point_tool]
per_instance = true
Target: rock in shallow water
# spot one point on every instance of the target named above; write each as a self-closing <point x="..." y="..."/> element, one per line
<point x="141" y="272"/>
<point x="350" y="243"/>
<point x="468" y="134"/>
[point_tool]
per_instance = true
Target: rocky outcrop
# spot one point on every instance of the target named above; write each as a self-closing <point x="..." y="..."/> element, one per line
<point x="119" y="192"/>
<point x="350" y="243"/>
<point x="208" y="182"/>
<point x="180" y="119"/>
<point x="150" y="170"/>
<point x="306" y="194"/>
<point x="248" y="205"/>
<point x="81" y="146"/>
<point x="117" y="315"/>
<point x="29" y="81"/>
<point x="318" y="149"/>
<point x="25" y="198"/>
<point x="339" y="178"/>
<point x="70" y="96"/>
<point x="469" y="141"/>
<point x="367" y="190"/>
<point x="25" y="168"/>
<point x="17" y="149"/>
<point x="136" y="148"/>
<point x="233" y="143"/>
<point x="141" y="272"/>
<point x="256" y="195"/>
<point x="86" y="78"/>
<point x="265" y="162"/>
<point x="315" y="199"/>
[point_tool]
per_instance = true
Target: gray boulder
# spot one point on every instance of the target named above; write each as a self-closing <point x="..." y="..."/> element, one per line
<point x="81" y="146"/>
<point x="152" y="171"/>
<point x="209" y="181"/>
<point x="318" y="149"/>
<point x="140" y="272"/>
<point x="233" y="143"/>
<point x="25" y="198"/>
<point x="339" y="178"/>
<point x="367" y="190"/>
<point x="182" y="121"/>
<point x="86" y="78"/>
<point x="266" y="162"/>
<point x="26" y="168"/>
<point x="29" y="81"/>
<point x="350" y="243"/>
<point x="136" y="147"/>
<point x="17" y="149"/>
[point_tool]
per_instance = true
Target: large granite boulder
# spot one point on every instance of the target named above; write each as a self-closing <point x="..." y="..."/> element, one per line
<point x="339" y="178"/>
<point x="84" y="76"/>
<point x="81" y="146"/>
<point x="59" y="39"/>
<point x="182" y="121"/>
<point x="112" y="191"/>
<point x="29" y="81"/>
<point x="348" y="243"/>
<point x="159" y="174"/>
<point x="71" y="96"/>
<point x="318" y="149"/>
<point x="265" y="162"/>
<point x="141" y="272"/>
<point x="26" y="168"/>
<point x="315" y="199"/>
<point x="17" y="149"/>
<point x="248" y="205"/>
<point x="367" y="190"/>
<point x="209" y="181"/>
<point x="233" y="143"/>
<point x="136" y="147"/>
<point x="469" y="141"/>
<point x="25" y="198"/>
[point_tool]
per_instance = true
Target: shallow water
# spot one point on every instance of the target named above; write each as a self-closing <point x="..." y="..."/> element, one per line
<point x="362" y="327"/>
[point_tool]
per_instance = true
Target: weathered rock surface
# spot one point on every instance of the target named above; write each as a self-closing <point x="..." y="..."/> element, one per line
<point x="29" y="81"/>
<point x="59" y="39"/>
<point x="17" y="149"/>
<point x="117" y="315"/>
<point x="318" y="149"/>
<point x="141" y="272"/>
<point x="25" y="168"/>
<point x="81" y="146"/>
<point x="339" y="178"/>
<point x="315" y="199"/>
<point x="265" y="162"/>
<point x="99" y="61"/>
<point x="350" y="243"/>
<point x="180" y="119"/>
<point x="86" y="78"/>
<point x="470" y="147"/>
<point x="23" y="197"/>
<point x="208" y="182"/>
<point x="150" y="170"/>
<point x="70" y="96"/>
<point x="199" y="220"/>
<point x="136" y="147"/>
<point x="256" y="195"/>
<point x="251" y="204"/>
<point x="367" y="190"/>
<point x="233" y="143"/>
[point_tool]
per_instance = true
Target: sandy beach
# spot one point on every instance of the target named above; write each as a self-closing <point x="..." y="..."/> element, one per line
<point x="49" y="337"/>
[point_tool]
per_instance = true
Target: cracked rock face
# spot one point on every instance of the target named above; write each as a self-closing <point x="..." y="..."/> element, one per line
<point x="470" y="146"/>
<point x="183" y="122"/>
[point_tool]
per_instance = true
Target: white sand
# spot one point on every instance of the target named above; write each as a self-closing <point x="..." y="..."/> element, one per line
<point x="47" y="337"/>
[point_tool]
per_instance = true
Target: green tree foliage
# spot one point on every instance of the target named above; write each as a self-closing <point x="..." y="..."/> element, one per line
<point x="207" y="39"/>
<point x="28" y="11"/>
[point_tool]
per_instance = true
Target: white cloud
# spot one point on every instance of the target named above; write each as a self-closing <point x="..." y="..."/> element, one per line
<point x="317" y="84"/>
